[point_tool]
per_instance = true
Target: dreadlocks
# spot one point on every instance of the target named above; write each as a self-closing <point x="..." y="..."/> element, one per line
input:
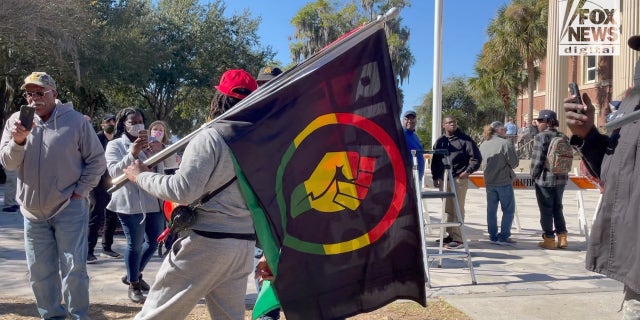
<point x="220" y="103"/>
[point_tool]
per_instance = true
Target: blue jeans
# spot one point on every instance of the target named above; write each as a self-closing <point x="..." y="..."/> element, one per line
<point x="503" y="195"/>
<point x="550" y="205"/>
<point x="56" y="252"/>
<point x="142" y="240"/>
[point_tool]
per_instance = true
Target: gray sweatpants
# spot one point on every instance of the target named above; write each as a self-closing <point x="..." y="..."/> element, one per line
<point x="196" y="267"/>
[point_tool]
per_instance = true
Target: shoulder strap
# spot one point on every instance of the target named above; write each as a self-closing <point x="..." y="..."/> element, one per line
<point x="207" y="196"/>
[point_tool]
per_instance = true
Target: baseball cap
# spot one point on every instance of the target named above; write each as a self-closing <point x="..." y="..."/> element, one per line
<point x="546" y="115"/>
<point x="108" y="117"/>
<point x="237" y="83"/>
<point x="268" y="73"/>
<point x="634" y="42"/>
<point x="40" y="79"/>
<point x="410" y="113"/>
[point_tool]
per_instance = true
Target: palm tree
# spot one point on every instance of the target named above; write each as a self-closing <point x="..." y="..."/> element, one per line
<point x="521" y="28"/>
<point x="501" y="75"/>
<point x="319" y="23"/>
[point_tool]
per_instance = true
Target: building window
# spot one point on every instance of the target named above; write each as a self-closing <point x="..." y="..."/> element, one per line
<point x="590" y="69"/>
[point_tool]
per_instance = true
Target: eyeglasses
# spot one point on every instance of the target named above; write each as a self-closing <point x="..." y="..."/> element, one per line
<point x="35" y="93"/>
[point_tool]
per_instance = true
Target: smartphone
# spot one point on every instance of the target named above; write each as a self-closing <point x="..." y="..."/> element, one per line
<point x="143" y="134"/>
<point x="575" y="91"/>
<point x="26" y="116"/>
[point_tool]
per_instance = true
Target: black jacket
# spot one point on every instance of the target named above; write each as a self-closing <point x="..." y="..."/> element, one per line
<point x="614" y="245"/>
<point x="463" y="152"/>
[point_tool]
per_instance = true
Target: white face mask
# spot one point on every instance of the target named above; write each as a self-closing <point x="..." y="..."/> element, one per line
<point x="134" y="129"/>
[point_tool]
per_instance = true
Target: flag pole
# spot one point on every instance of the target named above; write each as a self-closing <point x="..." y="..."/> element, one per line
<point x="436" y="106"/>
<point x="300" y="70"/>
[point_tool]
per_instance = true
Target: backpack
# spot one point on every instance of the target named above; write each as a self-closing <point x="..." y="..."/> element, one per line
<point x="559" y="155"/>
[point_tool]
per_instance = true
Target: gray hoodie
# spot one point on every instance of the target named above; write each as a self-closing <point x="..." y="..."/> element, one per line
<point x="62" y="156"/>
<point x="206" y="166"/>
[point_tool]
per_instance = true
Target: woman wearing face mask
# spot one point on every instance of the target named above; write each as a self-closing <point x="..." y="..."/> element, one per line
<point x="139" y="212"/>
<point x="159" y="131"/>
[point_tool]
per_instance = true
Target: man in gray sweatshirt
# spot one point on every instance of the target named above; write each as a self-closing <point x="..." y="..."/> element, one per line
<point x="215" y="258"/>
<point x="59" y="160"/>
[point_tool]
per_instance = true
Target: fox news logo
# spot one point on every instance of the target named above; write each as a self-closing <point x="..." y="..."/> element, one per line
<point x="589" y="27"/>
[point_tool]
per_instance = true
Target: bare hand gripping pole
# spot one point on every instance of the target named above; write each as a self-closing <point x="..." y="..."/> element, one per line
<point x="300" y="71"/>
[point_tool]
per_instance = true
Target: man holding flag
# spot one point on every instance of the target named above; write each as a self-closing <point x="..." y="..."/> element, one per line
<point x="215" y="259"/>
<point x="332" y="200"/>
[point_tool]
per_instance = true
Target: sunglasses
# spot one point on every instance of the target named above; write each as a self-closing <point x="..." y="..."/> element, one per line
<point x="35" y="94"/>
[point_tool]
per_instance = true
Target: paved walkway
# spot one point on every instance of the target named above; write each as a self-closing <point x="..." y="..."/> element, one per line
<point x="518" y="282"/>
<point x="524" y="281"/>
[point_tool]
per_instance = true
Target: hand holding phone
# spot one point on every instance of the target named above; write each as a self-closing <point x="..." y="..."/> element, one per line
<point x="26" y="116"/>
<point x="144" y="135"/>
<point x="575" y="92"/>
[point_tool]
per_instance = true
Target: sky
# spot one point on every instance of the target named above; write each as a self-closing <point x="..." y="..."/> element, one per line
<point x="464" y="33"/>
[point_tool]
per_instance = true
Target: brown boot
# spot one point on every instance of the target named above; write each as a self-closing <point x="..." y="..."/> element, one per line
<point x="562" y="240"/>
<point x="548" y="243"/>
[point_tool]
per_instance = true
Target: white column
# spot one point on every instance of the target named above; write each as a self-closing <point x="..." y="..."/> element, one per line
<point x="556" y="68"/>
<point x="624" y="64"/>
<point x="436" y="119"/>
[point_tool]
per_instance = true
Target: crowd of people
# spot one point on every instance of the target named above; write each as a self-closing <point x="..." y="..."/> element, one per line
<point x="214" y="258"/>
<point x="66" y="206"/>
<point x="496" y="156"/>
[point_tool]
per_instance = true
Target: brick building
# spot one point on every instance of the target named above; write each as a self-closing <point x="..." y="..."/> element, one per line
<point x="593" y="75"/>
<point x="604" y="78"/>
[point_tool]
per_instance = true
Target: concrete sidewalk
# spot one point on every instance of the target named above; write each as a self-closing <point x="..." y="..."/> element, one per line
<point x="523" y="281"/>
<point x="517" y="282"/>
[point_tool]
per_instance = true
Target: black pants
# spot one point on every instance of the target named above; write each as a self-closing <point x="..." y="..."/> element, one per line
<point x="550" y="205"/>
<point x="101" y="217"/>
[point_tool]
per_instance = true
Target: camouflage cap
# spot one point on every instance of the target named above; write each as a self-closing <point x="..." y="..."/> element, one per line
<point x="40" y="79"/>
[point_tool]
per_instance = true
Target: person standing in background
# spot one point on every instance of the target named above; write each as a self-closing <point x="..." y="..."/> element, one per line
<point x="549" y="186"/>
<point x="498" y="161"/>
<point x="267" y="74"/>
<point x="138" y="211"/>
<point x="413" y="141"/>
<point x="510" y="127"/>
<point x="100" y="215"/>
<point x="465" y="160"/>
<point x="159" y="131"/>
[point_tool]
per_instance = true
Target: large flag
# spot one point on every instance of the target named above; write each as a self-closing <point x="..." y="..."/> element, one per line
<point x="322" y="162"/>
